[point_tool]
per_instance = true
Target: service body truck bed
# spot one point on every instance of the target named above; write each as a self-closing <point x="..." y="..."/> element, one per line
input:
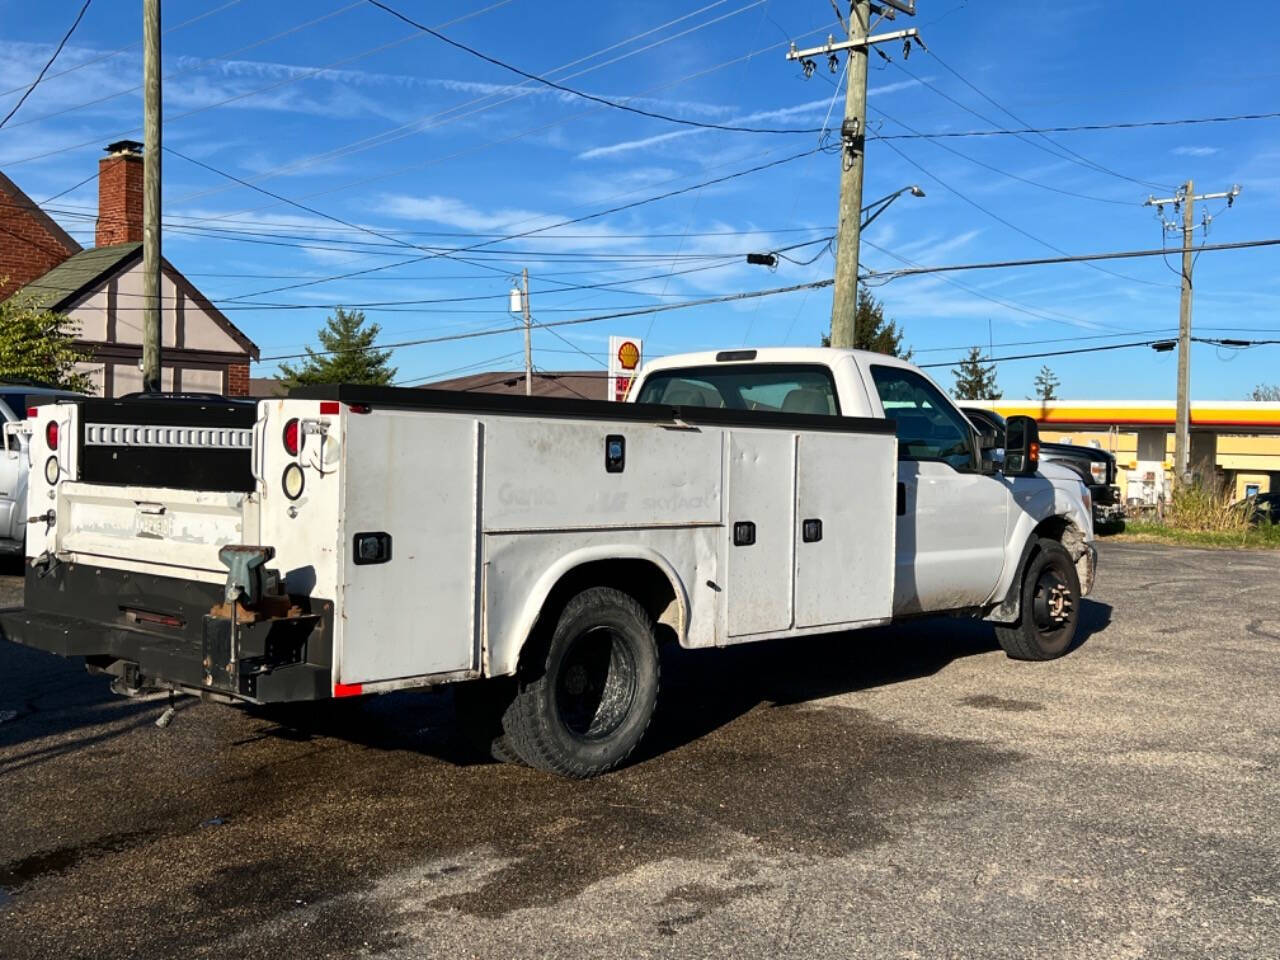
<point x="353" y="540"/>
<point x="423" y="537"/>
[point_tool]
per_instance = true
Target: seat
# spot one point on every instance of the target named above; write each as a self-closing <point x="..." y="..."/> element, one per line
<point x="685" y="397"/>
<point x="806" y="400"/>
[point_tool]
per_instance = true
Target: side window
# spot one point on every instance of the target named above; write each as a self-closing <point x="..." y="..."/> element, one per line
<point x="929" y="428"/>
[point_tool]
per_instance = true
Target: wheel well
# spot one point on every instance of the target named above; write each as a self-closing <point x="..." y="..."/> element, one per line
<point x="1065" y="532"/>
<point x="641" y="579"/>
<point x="1057" y="528"/>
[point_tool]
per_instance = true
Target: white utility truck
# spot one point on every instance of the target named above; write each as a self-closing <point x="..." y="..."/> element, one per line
<point x="352" y="540"/>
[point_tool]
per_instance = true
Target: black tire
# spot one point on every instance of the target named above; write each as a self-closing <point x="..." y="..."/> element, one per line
<point x="478" y="709"/>
<point x="1050" y="611"/>
<point x="585" y="699"/>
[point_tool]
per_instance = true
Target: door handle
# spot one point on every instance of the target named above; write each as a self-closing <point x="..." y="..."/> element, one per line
<point x="811" y="530"/>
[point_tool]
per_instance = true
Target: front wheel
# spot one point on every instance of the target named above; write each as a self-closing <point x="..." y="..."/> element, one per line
<point x="585" y="701"/>
<point x="1050" y="609"/>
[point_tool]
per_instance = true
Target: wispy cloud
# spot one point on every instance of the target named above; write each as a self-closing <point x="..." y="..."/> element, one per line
<point x="628" y="146"/>
<point x="1194" y="151"/>
<point x="812" y="108"/>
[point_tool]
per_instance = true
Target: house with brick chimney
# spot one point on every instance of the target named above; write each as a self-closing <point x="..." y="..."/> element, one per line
<point x="101" y="289"/>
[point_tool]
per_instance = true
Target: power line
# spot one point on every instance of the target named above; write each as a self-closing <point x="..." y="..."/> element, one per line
<point x="1074" y="258"/>
<point x="992" y="214"/>
<point x="293" y="78"/>
<point x="562" y="223"/>
<point x="1050" y="353"/>
<point x="49" y="63"/>
<point x="1212" y="341"/>
<point x="202" y="63"/>
<point x="1037" y="342"/>
<point x="128" y="46"/>
<point x="999" y="301"/>
<point x="997" y="170"/>
<point x="1066" y="154"/>
<point x="603" y="101"/>
<point x="1131" y="125"/>
<point x="434" y="119"/>
<point x="460" y="153"/>
<point x="639" y="311"/>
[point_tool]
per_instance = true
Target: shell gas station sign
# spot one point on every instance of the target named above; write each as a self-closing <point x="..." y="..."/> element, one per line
<point x="625" y="356"/>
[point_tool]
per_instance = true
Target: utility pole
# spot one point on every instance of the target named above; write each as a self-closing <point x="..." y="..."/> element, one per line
<point x="844" y="298"/>
<point x="1182" y="429"/>
<point x="528" y="334"/>
<point x="852" y="145"/>
<point x="151" y="305"/>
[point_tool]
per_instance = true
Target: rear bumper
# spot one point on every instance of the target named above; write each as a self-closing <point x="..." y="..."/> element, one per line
<point x="93" y="612"/>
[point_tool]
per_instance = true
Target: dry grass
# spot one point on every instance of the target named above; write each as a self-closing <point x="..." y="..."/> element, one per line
<point x="1204" y="516"/>
<point x="1205" y="509"/>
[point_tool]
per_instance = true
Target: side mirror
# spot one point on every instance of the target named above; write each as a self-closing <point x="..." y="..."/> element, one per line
<point x="1021" y="447"/>
<point x="989" y="440"/>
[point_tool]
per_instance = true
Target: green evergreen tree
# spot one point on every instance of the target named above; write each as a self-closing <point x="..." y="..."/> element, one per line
<point x="347" y="354"/>
<point x="1046" y="384"/>
<point x="38" y="345"/>
<point x="870" y="329"/>
<point x="975" y="379"/>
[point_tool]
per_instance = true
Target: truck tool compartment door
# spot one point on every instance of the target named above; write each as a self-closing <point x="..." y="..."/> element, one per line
<point x="759" y="527"/>
<point x="844" y="528"/>
<point x="412" y="477"/>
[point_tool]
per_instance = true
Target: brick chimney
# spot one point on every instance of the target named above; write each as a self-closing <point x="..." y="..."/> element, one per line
<point x="120" y="194"/>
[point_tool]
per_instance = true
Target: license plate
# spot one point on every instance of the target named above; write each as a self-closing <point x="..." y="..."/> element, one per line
<point x="155" y="526"/>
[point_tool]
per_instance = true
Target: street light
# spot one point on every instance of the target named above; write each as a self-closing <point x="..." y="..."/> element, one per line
<point x="877" y="207"/>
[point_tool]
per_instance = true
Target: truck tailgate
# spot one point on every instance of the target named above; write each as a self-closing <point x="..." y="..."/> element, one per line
<point x="149" y="525"/>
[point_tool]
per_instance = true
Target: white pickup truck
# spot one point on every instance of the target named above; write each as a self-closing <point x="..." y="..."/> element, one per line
<point x="535" y="553"/>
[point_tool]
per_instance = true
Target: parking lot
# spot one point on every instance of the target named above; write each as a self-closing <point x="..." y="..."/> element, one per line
<point x="905" y="792"/>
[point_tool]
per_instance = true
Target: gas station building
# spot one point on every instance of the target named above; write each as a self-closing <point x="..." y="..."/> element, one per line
<point x="1238" y="442"/>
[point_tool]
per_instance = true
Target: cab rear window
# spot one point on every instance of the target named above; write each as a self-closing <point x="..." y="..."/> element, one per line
<point x="777" y="388"/>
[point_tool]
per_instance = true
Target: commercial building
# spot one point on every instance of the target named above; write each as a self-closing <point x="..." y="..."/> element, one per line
<point x="1235" y="442"/>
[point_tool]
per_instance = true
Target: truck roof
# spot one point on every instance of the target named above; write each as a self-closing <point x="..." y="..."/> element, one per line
<point x="827" y="356"/>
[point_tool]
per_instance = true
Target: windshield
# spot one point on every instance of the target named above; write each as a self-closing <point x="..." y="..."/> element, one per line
<point x="779" y="388"/>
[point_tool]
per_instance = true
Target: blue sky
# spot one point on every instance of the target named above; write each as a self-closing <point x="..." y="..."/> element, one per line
<point x="340" y="107"/>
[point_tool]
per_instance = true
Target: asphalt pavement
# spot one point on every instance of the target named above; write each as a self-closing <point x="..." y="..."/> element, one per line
<point x="904" y="792"/>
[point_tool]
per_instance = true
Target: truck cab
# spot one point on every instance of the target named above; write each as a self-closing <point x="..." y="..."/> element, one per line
<point x="966" y="528"/>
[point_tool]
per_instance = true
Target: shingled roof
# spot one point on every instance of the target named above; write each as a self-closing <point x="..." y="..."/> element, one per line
<point x="78" y="273"/>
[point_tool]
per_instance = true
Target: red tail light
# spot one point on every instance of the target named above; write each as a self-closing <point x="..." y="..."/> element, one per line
<point x="292" y="437"/>
<point x="51" y="434"/>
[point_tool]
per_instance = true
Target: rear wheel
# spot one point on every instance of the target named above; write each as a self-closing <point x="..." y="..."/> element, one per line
<point x="1050" y="606"/>
<point x="586" y="699"/>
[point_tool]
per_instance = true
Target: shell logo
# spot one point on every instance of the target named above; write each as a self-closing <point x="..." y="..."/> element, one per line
<point x="628" y="355"/>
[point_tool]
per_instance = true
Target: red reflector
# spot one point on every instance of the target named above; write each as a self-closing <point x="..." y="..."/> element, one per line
<point x="359" y="407"/>
<point x="146" y="616"/>
<point x="348" y="689"/>
<point x="330" y="407"/>
<point x="32" y="411"/>
<point x="51" y="434"/>
<point x="292" y="435"/>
